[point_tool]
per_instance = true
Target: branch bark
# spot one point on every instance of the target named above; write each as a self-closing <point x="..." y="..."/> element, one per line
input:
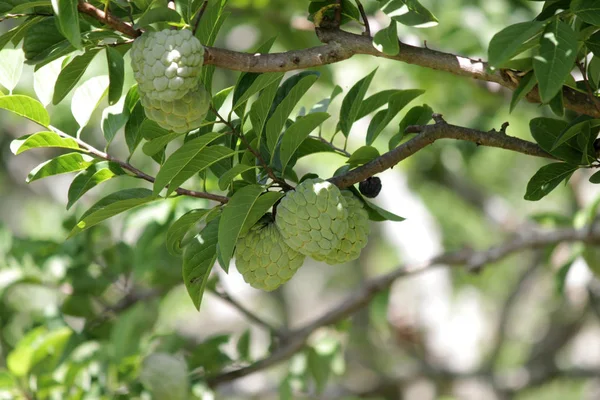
<point x="473" y="260"/>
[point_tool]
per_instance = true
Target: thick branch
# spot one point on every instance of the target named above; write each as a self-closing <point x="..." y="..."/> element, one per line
<point x="428" y="134"/>
<point x="362" y="297"/>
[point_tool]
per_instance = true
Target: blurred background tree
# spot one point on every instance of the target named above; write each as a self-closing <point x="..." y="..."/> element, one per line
<point x="105" y="314"/>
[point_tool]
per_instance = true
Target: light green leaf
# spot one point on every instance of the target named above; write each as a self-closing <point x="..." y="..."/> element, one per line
<point x="547" y="178"/>
<point x="553" y="64"/>
<point x="66" y="163"/>
<point x="94" y="175"/>
<point x="226" y="179"/>
<point x="396" y="103"/>
<point x="41" y="139"/>
<point x="87" y="97"/>
<point x="68" y="20"/>
<point x="44" y="80"/>
<point x="70" y="75"/>
<point x="158" y="14"/>
<point x="19" y="360"/>
<point x="410" y="13"/>
<point x="235" y="214"/>
<point x="525" y="85"/>
<point x="352" y="103"/>
<point x="323" y="105"/>
<point x="509" y="41"/>
<point x="386" y="40"/>
<point x="260" y="208"/>
<point x="198" y="259"/>
<point x="179" y="228"/>
<point x="375" y="101"/>
<point x="128" y="329"/>
<point x="11" y="67"/>
<point x="288" y="95"/>
<point x="17" y="32"/>
<point x="180" y="165"/>
<point x="111" y="123"/>
<point x="7" y="381"/>
<point x="27" y="107"/>
<point x="116" y="74"/>
<point x="587" y="10"/>
<point x="296" y="133"/>
<point x="111" y="205"/>
<point x="363" y="155"/>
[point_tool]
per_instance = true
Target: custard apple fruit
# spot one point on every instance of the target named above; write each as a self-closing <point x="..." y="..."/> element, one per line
<point x="357" y="235"/>
<point x="313" y="219"/>
<point x="263" y="258"/>
<point x="167" y="64"/>
<point x="181" y="115"/>
<point x="165" y="376"/>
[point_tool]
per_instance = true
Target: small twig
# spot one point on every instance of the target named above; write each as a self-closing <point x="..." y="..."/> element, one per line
<point x="223" y="295"/>
<point x="199" y="16"/>
<point x="138" y="173"/>
<point x="363" y="14"/>
<point x="330" y="144"/>
<point x="255" y="152"/>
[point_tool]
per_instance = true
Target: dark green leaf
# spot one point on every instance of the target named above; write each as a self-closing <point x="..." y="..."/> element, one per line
<point x="593" y="43"/>
<point x="44" y="42"/>
<point x="509" y="41"/>
<point x="323" y="105"/>
<point x="386" y="40"/>
<point x="226" y="179"/>
<point x="375" y="101"/>
<point x="260" y="108"/>
<point x="547" y="178"/>
<point x="116" y="74"/>
<point x="179" y="228"/>
<point x="595" y="178"/>
<point x="67" y="17"/>
<point x="396" y="103"/>
<point x="66" y="163"/>
<point x="296" y="134"/>
<point x="352" y="103"/>
<point x="573" y="129"/>
<point x="111" y="205"/>
<point x="525" y="85"/>
<point x="133" y="135"/>
<point x="363" y="155"/>
<point x="419" y="115"/>
<point x="70" y="75"/>
<point x="41" y="139"/>
<point x="546" y="131"/>
<point x="587" y="10"/>
<point x="556" y="104"/>
<point x="92" y="177"/>
<point x="558" y="51"/>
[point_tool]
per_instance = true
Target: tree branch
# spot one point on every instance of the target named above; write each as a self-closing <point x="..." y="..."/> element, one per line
<point x="428" y="134"/>
<point x="472" y="259"/>
<point x="109" y="19"/>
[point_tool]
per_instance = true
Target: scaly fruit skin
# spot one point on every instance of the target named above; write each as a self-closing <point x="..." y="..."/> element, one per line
<point x="313" y="219"/>
<point x="263" y="258"/>
<point x="165" y="376"/>
<point x="181" y="115"/>
<point x="166" y="64"/>
<point x="357" y="236"/>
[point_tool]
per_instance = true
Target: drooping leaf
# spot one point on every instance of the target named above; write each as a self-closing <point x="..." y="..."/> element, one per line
<point x="545" y="131"/>
<point x="547" y="178"/>
<point x="558" y="51"/>
<point x="111" y="205"/>
<point x="27" y="107"/>
<point x="525" y="85"/>
<point x="352" y="103"/>
<point x="44" y="80"/>
<point x="116" y="74"/>
<point x="67" y="17"/>
<point x="509" y="41"/>
<point x="226" y="179"/>
<point x="70" y="75"/>
<point x="297" y="133"/>
<point x="386" y="40"/>
<point x="87" y="97"/>
<point x="179" y="228"/>
<point x="133" y="134"/>
<point x="66" y="163"/>
<point x="91" y="177"/>
<point x="41" y="139"/>
<point x="363" y="155"/>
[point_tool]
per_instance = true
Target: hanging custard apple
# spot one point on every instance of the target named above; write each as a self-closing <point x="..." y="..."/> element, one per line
<point x="313" y="218"/>
<point x="165" y="376"/>
<point x="357" y="235"/>
<point x="181" y="115"/>
<point x="263" y="258"/>
<point x="167" y="64"/>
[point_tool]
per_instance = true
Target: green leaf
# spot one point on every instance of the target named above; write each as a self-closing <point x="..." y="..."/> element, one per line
<point x="410" y="13"/>
<point x="323" y="105"/>
<point x="198" y="259"/>
<point x="320" y="357"/>
<point x="251" y="84"/>
<point x="226" y="179"/>
<point x="352" y="103"/>
<point x="595" y="178"/>
<point x="546" y="179"/>
<point x="419" y="115"/>
<point x="376" y="213"/>
<point x="296" y="134"/>
<point x="41" y="139"/>
<point x="593" y="43"/>
<point x="260" y="208"/>
<point x="128" y="329"/>
<point x="111" y="205"/>
<point x="243" y="345"/>
<point x="133" y="135"/>
<point x="43" y="41"/>
<point x="386" y="40"/>
<point x="38" y="346"/>
<point x="94" y="175"/>
<point x="68" y="20"/>
<point x="546" y="131"/>
<point x="375" y="101"/>
<point x="509" y="41"/>
<point x="66" y="163"/>
<point x="87" y="97"/>
<point x="157" y="137"/>
<point x="70" y="75"/>
<point x="573" y="129"/>
<point x="8" y="382"/>
<point x="235" y="214"/>
<point x="11" y="67"/>
<point x="557" y="105"/>
<point x="396" y="103"/>
<point x="111" y="123"/>
<point x="553" y="64"/>
<point x="27" y="107"/>
<point x="179" y="228"/>
<point x="288" y="95"/>
<point x="587" y="10"/>
<point x="182" y="164"/>
<point x="260" y="108"/>
<point x="116" y="74"/>
<point x="312" y="146"/>
<point x="158" y="14"/>
<point x="17" y="32"/>
<point x="44" y="80"/>
<point x="525" y="85"/>
<point x="210" y="24"/>
<point x="19" y="360"/>
<point x="363" y="155"/>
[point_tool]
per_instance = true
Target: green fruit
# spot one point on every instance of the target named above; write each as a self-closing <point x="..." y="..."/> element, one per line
<point x="181" y="115"/>
<point x="165" y="376"/>
<point x="167" y="64"/>
<point x="263" y="258"/>
<point x="313" y="219"/>
<point x="357" y="235"/>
